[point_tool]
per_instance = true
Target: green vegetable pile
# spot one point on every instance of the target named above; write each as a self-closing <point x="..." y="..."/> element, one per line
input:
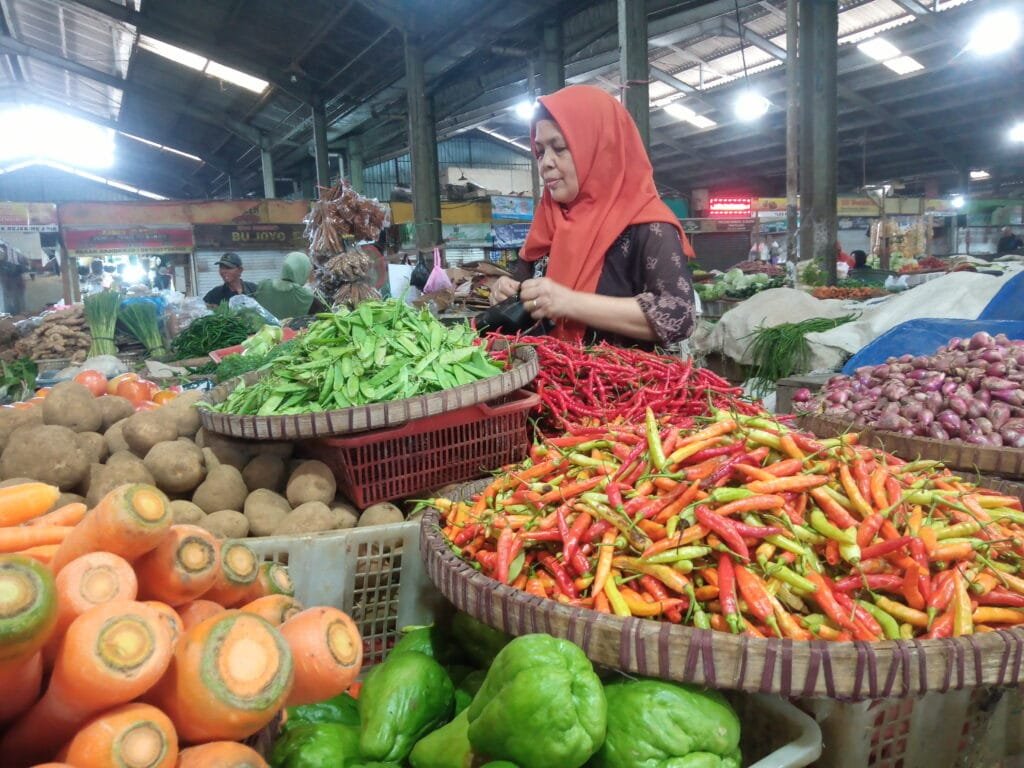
<point x="475" y="697"/>
<point x="140" y="319"/>
<point x="737" y="285"/>
<point x="380" y="351"/>
<point x="17" y="380"/>
<point x="782" y="350"/>
<point x="233" y="366"/>
<point x="224" y="328"/>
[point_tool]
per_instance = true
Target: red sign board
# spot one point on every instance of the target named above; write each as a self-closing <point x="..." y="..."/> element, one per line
<point x="128" y="240"/>
<point x="730" y="207"/>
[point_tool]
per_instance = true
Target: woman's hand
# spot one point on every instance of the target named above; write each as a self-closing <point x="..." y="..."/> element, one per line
<point x="503" y="288"/>
<point x="544" y="297"/>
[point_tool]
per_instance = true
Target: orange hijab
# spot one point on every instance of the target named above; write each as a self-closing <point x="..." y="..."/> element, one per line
<point x="616" y="190"/>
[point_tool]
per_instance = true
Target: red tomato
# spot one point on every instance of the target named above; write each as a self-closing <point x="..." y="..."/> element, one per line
<point x="94" y="381"/>
<point x="115" y="382"/>
<point x="43" y="391"/>
<point x="134" y="391"/>
<point x="164" y="396"/>
<point x="146" y="405"/>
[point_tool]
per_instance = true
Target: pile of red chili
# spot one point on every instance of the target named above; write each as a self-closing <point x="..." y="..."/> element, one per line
<point x="604" y="384"/>
<point x="745" y="525"/>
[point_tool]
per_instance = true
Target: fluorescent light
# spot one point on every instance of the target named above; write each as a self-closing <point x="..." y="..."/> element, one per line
<point x="229" y="75"/>
<point x="997" y="32"/>
<point x="957" y="201"/>
<point x="524" y="110"/>
<point x="903" y="65"/>
<point x="202" y="64"/>
<point x="1017" y="132"/>
<point x="162" y="147"/>
<point x="980" y="175"/>
<point x="679" y="112"/>
<point x="878" y="49"/>
<point x="41" y="133"/>
<point x="701" y="121"/>
<point x="750" y="105"/>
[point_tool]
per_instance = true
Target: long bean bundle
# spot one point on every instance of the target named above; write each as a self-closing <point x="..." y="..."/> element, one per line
<point x="101" y="315"/>
<point x="782" y="350"/>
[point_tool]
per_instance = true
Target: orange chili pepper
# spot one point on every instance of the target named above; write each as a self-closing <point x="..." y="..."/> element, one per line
<point x="853" y="493"/>
<point x="782" y="484"/>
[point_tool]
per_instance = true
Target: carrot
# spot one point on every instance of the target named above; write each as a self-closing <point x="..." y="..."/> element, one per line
<point x="69" y="514"/>
<point x="223" y="754"/>
<point x="43" y="553"/>
<point x="197" y="611"/>
<point x="23" y="536"/>
<point x="181" y="568"/>
<point x="21" y="681"/>
<point x="19" y="503"/>
<point x="111" y="654"/>
<point x="135" y="735"/>
<point x="129" y="521"/>
<point x="273" y="579"/>
<point x="88" y="581"/>
<point x="230" y="675"/>
<point x="239" y="568"/>
<point x="28" y="607"/>
<point x="171" y="619"/>
<point x="276" y="609"/>
<point x="328" y="653"/>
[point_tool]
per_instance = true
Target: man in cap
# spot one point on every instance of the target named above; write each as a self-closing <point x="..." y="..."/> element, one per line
<point x="230" y="266"/>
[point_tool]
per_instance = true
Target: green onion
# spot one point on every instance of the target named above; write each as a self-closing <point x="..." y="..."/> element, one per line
<point x="782" y="350"/>
<point x="140" y="319"/>
<point x="101" y="315"/>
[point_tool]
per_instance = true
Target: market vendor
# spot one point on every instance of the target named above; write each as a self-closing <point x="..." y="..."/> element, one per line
<point x="230" y="265"/>
<point x="289" y="296"/>
<point x="605" y="258"/>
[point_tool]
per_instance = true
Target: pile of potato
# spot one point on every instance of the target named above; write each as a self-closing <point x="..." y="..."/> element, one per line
<point x="89" y="445"/>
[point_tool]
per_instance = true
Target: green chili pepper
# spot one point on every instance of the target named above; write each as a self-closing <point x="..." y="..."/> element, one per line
<point x="822" y="525"/>
<point x="890" y="627"/>
<point x="654" y="446"/>
<point x="679" y="553"/>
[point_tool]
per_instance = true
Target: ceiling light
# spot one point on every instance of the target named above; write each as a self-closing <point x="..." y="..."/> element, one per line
<point x="524" y="110"/>
<point x="1017" y="132"/>
<point x="903" y="65"/>
<point x="750" y="105"/>
<point x="997" y="32"/>
<point x="980" y="175"/>
<point x="878" y="49"/>
<point x="229" y="75"/>
<point x="679" y="112"/>
<point x="957" y="201"/>
<point x="202" y="64"/>
<point x="702" y="122"/>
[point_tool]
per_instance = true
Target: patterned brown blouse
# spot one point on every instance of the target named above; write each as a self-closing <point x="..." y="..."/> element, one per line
<point x="645" y="262"/>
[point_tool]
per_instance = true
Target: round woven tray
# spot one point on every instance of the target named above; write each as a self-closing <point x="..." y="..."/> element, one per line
<point x="1005" y="462"/>
<point x="849" y="671"/>
<point x="364" y="417"/>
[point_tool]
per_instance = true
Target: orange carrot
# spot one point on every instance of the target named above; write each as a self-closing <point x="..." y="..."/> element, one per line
<point x="42" y="554"/>
<point x="19" y="503"/>
<point x="88" y="581"/>
<point x="69" y="514"/>
<point x="276" y="609"/>
<point x="181" y="568"/>
<point x="328" y="653"/>
<point x="129" y="735"/>
<point x="198" y="611"/>
<point x="172" y="621"/>
<point x="222" y="754"/>
<point x="239" y="568"/>
<point x="229" y="677"/>
<point x="273" y="579"/>
<point x="21" y="681"/>
<point x="22" y="537"/>
<point x="111" y="654"/>
<point x="129" y="521"/>
<point x="28" y="607"/>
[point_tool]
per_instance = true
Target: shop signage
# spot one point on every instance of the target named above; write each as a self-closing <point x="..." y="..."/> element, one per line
<point x="128" y="240"/>
<point x="250" y="237"/>
<point x="507" y="208"/>
<point x="730" y="207"/>
<point x="707" y="226"/>
<point x="28" y="217"/>
<point x="510" y="235"/>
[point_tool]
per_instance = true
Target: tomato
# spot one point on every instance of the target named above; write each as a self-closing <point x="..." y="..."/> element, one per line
<point x="151" y="386"/>
<point x="94" y="381"/>
<point x="146" y="405"/>
<point x="115" y="382"/>
<point x="164" y="397"/>
<point x="43" y="391"/>
<point x="26" y="404"/>
<point x="134" y="391"/>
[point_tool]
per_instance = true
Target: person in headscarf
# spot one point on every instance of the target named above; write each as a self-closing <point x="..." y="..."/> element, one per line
<point x="289" y="296"/>
<point x="605" y="258"/>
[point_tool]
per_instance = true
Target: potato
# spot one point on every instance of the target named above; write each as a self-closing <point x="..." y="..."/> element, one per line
<point x="145" y="429"/>
<point x="264" y="471"/>
<point x="186" y="513"/>
<point x="11" y="482"/>
<point x="67" y="498"/>
<point x="94" y="446"/>
<point x="12" y="419"/>
<point x="265" y="510"/>
<point x="381" y="514"/>
<point x="122" y="467"/>
<point x="311" y="481"/>
<point x="226" y="524"/>
<point x="311" y="517"/>
<point x="114" y="437"/>
<point x="69" y="404"/>
<point x="283" y="451"/>
<point x="228" y="451"/>
<point x="345" y="515"/>
<point x="176" y="465"/>
<point x="183" y="411"/>
<point x="49" y="454"/>
<point x="223" y="487"/>
<point x="114" y="409"/>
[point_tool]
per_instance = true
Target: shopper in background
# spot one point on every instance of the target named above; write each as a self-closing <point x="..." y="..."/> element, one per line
<point x="230" y="265"/>
<point x="1010" y="242"/>
<point x="289" y="296"/>
<point x="605" y="258"/>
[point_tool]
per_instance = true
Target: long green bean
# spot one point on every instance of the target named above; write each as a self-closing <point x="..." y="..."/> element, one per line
<point x="782" y="350"/>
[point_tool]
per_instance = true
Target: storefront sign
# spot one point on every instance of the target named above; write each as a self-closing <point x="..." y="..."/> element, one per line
<point x="729" y="207"/>
<point x="128" y="240"/>
<point x="510" y="235"/>
<point x="28" y="217"/>
<point x="506" y="208"/>
<point x="707" y="226"/>
<point x="243" y="237"/>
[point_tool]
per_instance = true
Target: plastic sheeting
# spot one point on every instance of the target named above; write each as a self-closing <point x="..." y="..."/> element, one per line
<point x="1008" y="303"/>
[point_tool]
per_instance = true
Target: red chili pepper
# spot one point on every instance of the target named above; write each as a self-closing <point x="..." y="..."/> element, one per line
<point x="911" y="590"/>
<point x="920" y="555"/>
<point x="710" y="453"/>
<point x="467" y="534"/>
<point x="756" y="531"/>
<point x="506" y="540"/>
<point x="572" y="539"/>
<point x="727" y="593"/>
<point x="725" y="529"/>
<point x="756" y="597"/>
<point x="541" y="535"/>
<point x="657" y="590"/>
<point x="1000" y="596"/>
<point x="596" y="531"/>
<point x="832" y="556"/>
<point x="835" y="513"/>
<point x="883" y="548"/>
<point x="882" y="582"/>
<point x="826" y="600"/>
<point x="868" y="529"/>
<point x="867" y="626"/>
<point x="562" y="579"/>
<point x="942" y="626"/>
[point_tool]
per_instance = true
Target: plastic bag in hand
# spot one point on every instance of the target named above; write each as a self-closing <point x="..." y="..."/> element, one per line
<point x="420" y="273"/>
<point x="438" y="280"/>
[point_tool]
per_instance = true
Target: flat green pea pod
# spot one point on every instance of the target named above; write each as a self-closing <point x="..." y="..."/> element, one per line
<point x="401" y="701"/>
<point x="341" y="709"/>
<point x="499" y="764"/>
<point x="480" y="642"/>
<point x="541" y="705"/>
<point x="447" y="747"/>
<point x="655" y="724"/>
<point x="316" y="745"/>
<point x="373" y="765"/>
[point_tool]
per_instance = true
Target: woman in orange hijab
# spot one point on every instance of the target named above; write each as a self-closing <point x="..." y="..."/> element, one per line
<point x="605" y="258"/>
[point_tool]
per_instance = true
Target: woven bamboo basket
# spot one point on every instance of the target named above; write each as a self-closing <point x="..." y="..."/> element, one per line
<point x="364" y="417"/>
<point x="849" y="671"/>
<point x="1004" y="462"/>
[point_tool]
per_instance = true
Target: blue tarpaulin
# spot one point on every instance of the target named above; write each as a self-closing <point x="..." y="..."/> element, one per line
<point x="1008" y="304"/>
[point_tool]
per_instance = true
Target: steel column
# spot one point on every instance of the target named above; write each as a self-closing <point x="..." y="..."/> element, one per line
<point x="426" y="198"/>
<point x="354" y="159"/>
<point x="553" y="67"/>
<point x="267" y="166"/>
<point x="633" y="64"/>
<point x="819" y="29"/>
<point x="792" y="130"/>
<point x="323" y="168"/>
